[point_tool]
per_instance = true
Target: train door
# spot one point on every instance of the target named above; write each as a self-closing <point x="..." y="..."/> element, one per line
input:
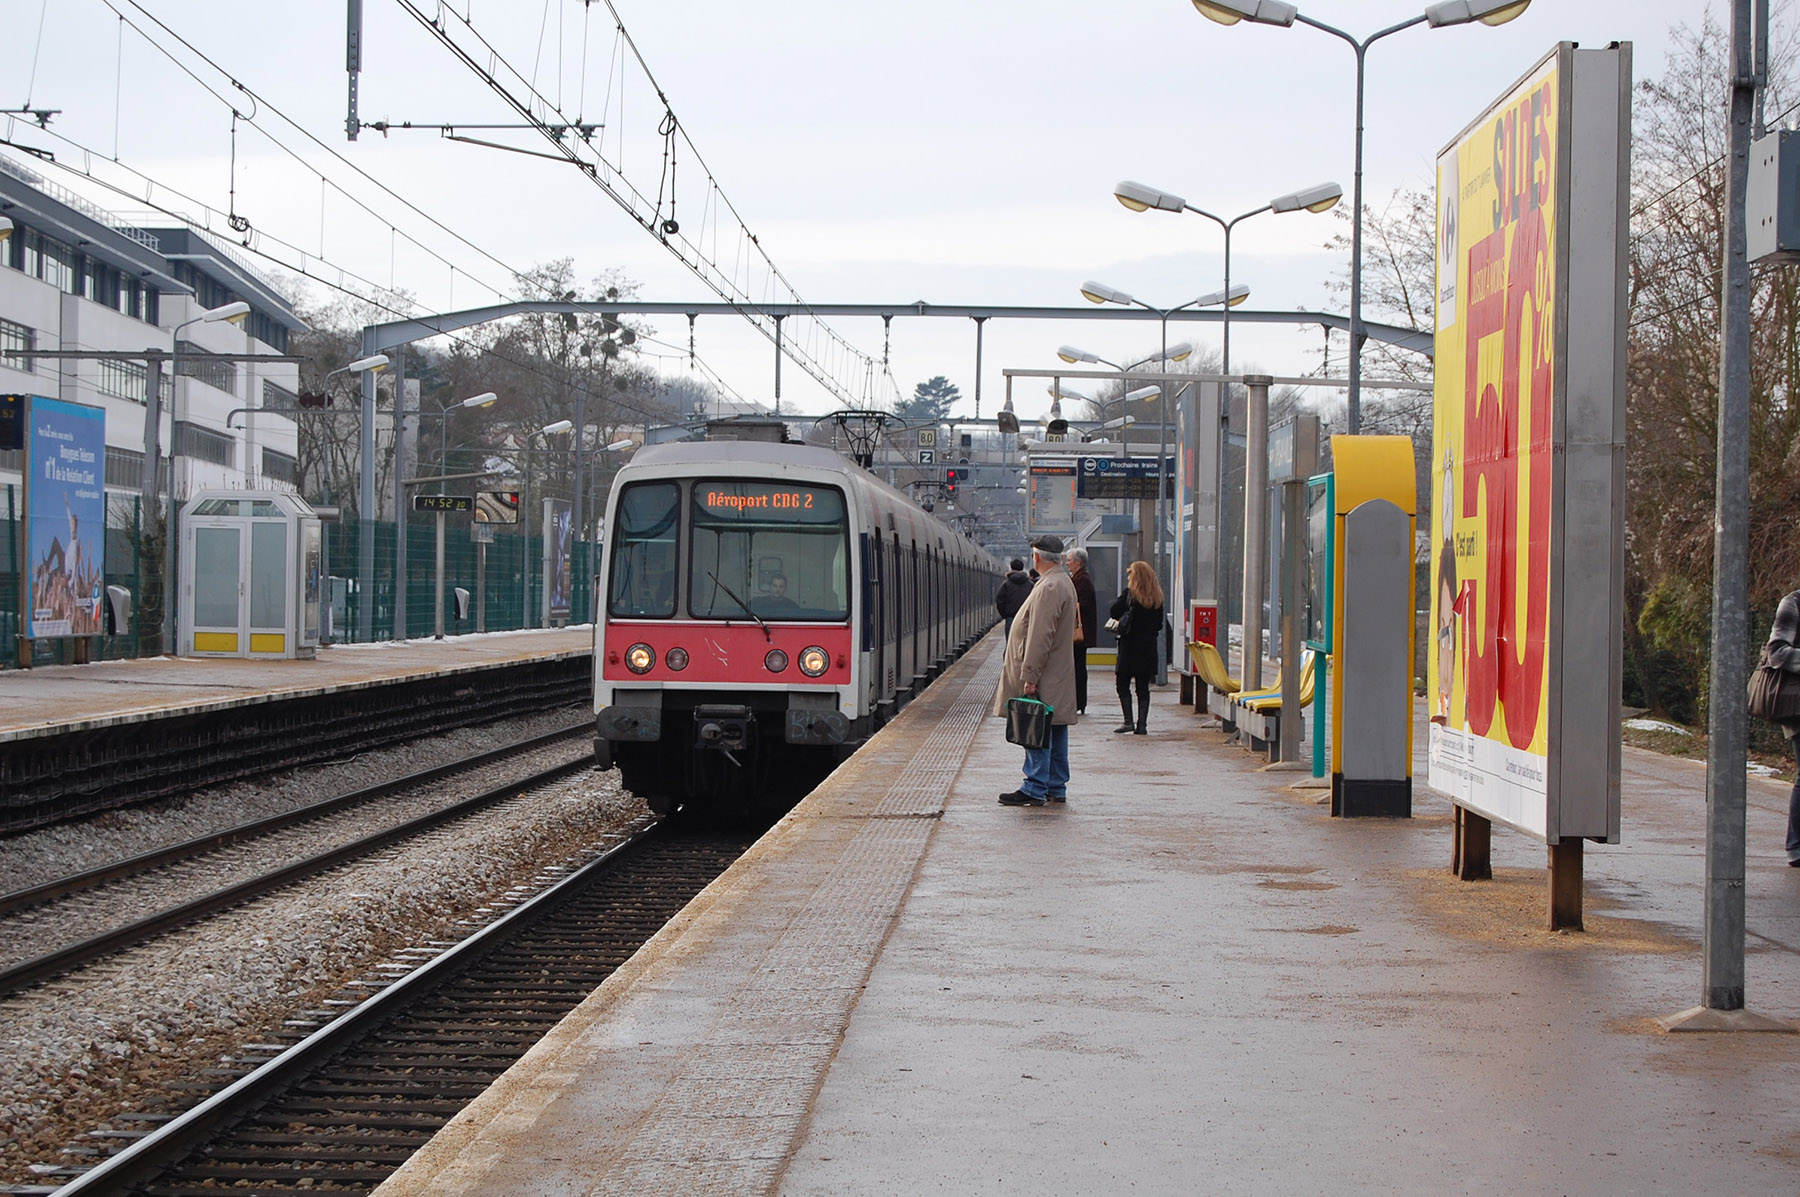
<point x="875" y="615"/>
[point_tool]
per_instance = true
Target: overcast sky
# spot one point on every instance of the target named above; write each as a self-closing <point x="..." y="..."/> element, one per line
<point x="956" y="151"/>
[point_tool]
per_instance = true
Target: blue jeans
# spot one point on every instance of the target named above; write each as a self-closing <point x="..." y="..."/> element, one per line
<point x="1047" y="769"/>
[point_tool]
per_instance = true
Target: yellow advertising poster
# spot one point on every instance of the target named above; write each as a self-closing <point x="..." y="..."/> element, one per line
<point x="1493" y="433"/>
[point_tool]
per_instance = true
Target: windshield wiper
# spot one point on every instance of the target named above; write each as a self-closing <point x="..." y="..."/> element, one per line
<point x="767" y="635"/>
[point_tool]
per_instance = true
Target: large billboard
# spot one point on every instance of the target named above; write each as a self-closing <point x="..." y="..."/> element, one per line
<point x="1528" y="441"/>
<point x="65" y="509"/>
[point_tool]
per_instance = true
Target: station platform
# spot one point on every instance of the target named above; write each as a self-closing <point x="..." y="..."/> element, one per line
<point x="55" y="699"/>
<point x="1190" y="978"/>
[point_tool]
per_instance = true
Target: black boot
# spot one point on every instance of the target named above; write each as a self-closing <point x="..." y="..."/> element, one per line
<point x="1143" y="718"/>
<point x="1125" y="701"/>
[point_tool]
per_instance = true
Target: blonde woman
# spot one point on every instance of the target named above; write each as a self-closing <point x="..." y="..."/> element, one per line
<point x="1137" y="618"/>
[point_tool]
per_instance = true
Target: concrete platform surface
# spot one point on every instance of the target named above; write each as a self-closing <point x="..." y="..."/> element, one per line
<point x="1189" y="979"/>
<point x="56" y="698"/>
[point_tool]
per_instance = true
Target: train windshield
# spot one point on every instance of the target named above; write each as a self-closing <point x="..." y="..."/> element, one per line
<point x="781" y="551"/>
<point x="644" y="550"/>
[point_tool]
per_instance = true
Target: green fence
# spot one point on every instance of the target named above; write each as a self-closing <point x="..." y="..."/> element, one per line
<point x="510" y="595"/>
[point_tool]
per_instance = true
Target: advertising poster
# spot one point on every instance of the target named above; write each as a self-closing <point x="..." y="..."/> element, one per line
<point x="1493" y="447"/>
<point x="65" y="509"/>
<point x="559" y="535"/>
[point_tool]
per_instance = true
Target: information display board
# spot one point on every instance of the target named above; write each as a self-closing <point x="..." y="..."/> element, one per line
<point x="1528" y="486"/>
<point x="1122" y="478"/>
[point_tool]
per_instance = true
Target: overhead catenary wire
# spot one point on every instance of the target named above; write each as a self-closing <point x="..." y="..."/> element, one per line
<point x="490" y="64"/>
<point x="371" y="294"/>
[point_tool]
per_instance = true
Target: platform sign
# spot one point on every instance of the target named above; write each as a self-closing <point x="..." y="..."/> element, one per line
<point x="497" y="507"/>
<point x="64" y="582"/>
<point x="559" y="543"/>
<point x="1123" y="477"/>
<point x="1523" y="676"/>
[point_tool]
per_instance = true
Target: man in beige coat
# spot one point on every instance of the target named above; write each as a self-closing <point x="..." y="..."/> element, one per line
<point x="1040" y="663"/>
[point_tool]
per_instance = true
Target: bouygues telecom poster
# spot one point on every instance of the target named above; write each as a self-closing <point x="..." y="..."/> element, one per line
<point x="65" y="507"/>
<point x="1492" y="444"/>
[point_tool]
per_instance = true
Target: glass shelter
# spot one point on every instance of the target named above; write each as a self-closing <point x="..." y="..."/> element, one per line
<point x="250" y="575"/>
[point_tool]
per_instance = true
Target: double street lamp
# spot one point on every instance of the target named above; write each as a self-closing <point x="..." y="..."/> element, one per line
<point x="1140" y="198"/>
<point x="1278" y="12"/>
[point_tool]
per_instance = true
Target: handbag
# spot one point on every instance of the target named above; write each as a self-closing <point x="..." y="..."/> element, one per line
<point x="1080" y="631"/>
<point x="1121" y="625"/>
<point x="1028" y="722"/>
<point x="1774" y="693"/>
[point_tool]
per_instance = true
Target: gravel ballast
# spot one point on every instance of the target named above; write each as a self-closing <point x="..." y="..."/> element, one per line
<point x="104" y="1040"/>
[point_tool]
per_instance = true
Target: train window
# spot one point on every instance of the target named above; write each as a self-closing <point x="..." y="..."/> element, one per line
<point x="780" y="550"/>
<point x="644" y="555"/>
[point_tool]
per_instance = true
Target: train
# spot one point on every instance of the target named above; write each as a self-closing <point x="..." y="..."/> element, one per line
<point x="762" y="608"/>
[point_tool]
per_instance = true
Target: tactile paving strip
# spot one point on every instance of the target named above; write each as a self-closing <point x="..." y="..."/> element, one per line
<point x="727" y="1121"/>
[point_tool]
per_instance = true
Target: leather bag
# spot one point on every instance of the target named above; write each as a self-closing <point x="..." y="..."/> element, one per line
<point x="1028" y="722"/>
<point x="1774" y="693"/>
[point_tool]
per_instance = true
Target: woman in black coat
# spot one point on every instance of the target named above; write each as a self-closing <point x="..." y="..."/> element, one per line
<point x="1137" y="618"/>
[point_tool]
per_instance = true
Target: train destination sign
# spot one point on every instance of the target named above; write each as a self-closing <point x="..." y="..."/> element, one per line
<point x="733" y="499"/>
<point x="443" y="503"/>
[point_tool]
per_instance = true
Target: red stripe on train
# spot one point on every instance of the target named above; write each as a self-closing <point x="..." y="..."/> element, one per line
<point x="720" y="653"/>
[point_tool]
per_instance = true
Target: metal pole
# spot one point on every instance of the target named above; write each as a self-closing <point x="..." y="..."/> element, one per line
<point x="365" y="515"/>
<point x="1225" y="312"/>
<point x="1162" y="488"/>
<point x="1353" y="415"/>
<point x="525" y="620"/>
<point x="438" y="589"/>
<point x="778" y="320"/>
<point x="481" y="586"/>
<point x="400" y="472"/>
<point x="980" y="322"/>
<point x="1723" y="986"/>
<point x="1292" y="718"/>
<point x="1256" y="485"/>
<point x="579" y="508"/>
<point x="150" y="488"/>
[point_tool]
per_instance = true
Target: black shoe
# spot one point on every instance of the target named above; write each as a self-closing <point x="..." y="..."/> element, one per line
<point x="1020" y="798"/>
<point x="1140" y="730"/>
<point x="1122" y="729"/>
<point x="1058" y="798"/>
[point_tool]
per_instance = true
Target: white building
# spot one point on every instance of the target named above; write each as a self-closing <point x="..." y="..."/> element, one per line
<point x="75" y="277"/>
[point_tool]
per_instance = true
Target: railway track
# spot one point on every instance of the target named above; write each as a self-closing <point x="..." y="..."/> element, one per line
<point x="348" y="1102"/>
<point x="52" y="900"/>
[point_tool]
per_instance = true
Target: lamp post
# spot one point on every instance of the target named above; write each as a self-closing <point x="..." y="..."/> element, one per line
<point x="1101" y="293"/>
<point x="150" y="482"/>
<point x="485" y="399"/>
<point x="1140" y="198"/>
<point x="525" y="620"/>
<point x="1278" y="12"/>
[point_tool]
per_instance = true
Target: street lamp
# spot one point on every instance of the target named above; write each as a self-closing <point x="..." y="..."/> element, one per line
<point x="525" y="518"/>
<point x="485" y="399"/>
<point x="1140" y="198"/>
<point x="6" y="227"/>
<point x="1230" y="297"/>
<point x="1277" y="12"/>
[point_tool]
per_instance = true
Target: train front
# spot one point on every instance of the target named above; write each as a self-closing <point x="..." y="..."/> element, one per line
<point x="724" y="664"/>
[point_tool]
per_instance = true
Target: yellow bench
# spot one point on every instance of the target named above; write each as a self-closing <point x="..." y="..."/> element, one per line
<point x="1216" y="679"/>
<point x="1257" y="713"/>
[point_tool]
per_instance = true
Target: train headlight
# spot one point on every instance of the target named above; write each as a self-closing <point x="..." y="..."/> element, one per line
<point x="814" y="661"/>
<point x="640" y="658"/>
<point x="676" y="659"/>
<point x="776" y="661"/>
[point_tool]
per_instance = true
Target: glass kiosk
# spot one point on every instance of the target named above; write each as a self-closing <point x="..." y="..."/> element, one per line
<point x="251" y="573"/>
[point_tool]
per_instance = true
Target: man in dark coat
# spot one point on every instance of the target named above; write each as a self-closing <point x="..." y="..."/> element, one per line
<point x="1076" y="561"/>
<point x="1013" y="592"/>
